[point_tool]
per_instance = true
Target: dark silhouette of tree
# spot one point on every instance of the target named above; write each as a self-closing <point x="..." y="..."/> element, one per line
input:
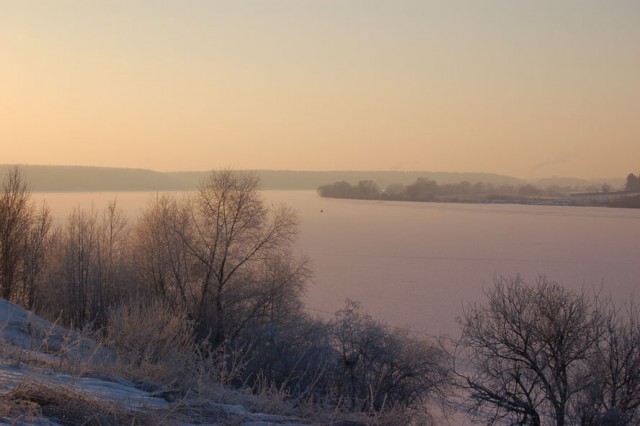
<point x="37" y="247"/>
<point x="90" y="270"/>
<point x="23" y="238"/>
<point x="377" y="366"/>
<point x="223" y="255"/>
<point x="633" y="183"/>
<point x="426" y="190"/>
<point x="367" y="190"/>
<point x="422" y="190"/>
<point x="529" y="348"/>
<point x="529" y="191"/>
<point x="161" y="253"/>
<point x="77" y="271"/>
<point x="15" y="221"/>
<point x="612" y="394"/>
<point x="364" y="190"/>
<point x="543" y="355"/>
<point x="395" y="191"/>
<point x="340" y="189"/>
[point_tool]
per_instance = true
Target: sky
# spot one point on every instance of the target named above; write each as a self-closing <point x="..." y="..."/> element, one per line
<point x="522" y="88"/>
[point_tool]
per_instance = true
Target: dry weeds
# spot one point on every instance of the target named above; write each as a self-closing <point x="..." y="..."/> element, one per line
<point x="33" y="402"/>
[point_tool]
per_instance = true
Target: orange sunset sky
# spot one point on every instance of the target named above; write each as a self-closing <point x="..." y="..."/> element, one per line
<point x="524" y="88"/>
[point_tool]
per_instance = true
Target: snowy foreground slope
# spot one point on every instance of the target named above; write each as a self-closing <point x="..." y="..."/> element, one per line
<point x="50" y="375"/>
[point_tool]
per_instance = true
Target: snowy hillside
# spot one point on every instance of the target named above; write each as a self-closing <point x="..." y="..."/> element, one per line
<point x="50" y="375"/>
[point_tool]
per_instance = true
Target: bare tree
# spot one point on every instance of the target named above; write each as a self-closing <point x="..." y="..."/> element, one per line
<point x="160" y="252"/>
<point x="222" y="253"/>
<point x="270" y="293"/>
<point x="113" y="280"/>
<point x="614" y="395"/>
<point x="15" y="222"/>
<point x="529" y="350"/>
<point x="92" y="270"/>
<point x="377" y="367"/>
<point x="233" y="231"/>
<point x="77" y="271"/>
<point x="24" y="237"/>
<point x="37" y="246"/>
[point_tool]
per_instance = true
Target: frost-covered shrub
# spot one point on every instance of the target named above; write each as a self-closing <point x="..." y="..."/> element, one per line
<point x="152" y="341"/>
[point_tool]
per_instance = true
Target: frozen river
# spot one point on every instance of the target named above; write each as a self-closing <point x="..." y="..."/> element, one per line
<point x="418" y="264"/>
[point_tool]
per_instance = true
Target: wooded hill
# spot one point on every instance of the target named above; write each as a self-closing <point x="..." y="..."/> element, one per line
<point x="79" y="178"/>
<point x="91" y="179"/>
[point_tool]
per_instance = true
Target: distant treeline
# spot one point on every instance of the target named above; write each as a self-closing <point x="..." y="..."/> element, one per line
<point x="632" y="200"/>
<point x="424" y="189"/>
<point x="91" y="179"/>
<point x="633" y="183"/>
<point x="96" y="179"/>
<point x="79" y="178"/>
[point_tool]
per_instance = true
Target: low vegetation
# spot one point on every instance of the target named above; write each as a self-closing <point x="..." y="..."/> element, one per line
<point x="202" y="298"/>
<point x="206" y="289"/>
<point x="30" y="403"/>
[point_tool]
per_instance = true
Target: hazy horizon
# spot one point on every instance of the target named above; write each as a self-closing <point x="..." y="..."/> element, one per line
<point x="524" y="89"/>
<point x="619" y="177"/>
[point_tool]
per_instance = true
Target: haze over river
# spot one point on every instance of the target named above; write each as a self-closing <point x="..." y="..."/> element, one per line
<point x="418" y="264"/>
